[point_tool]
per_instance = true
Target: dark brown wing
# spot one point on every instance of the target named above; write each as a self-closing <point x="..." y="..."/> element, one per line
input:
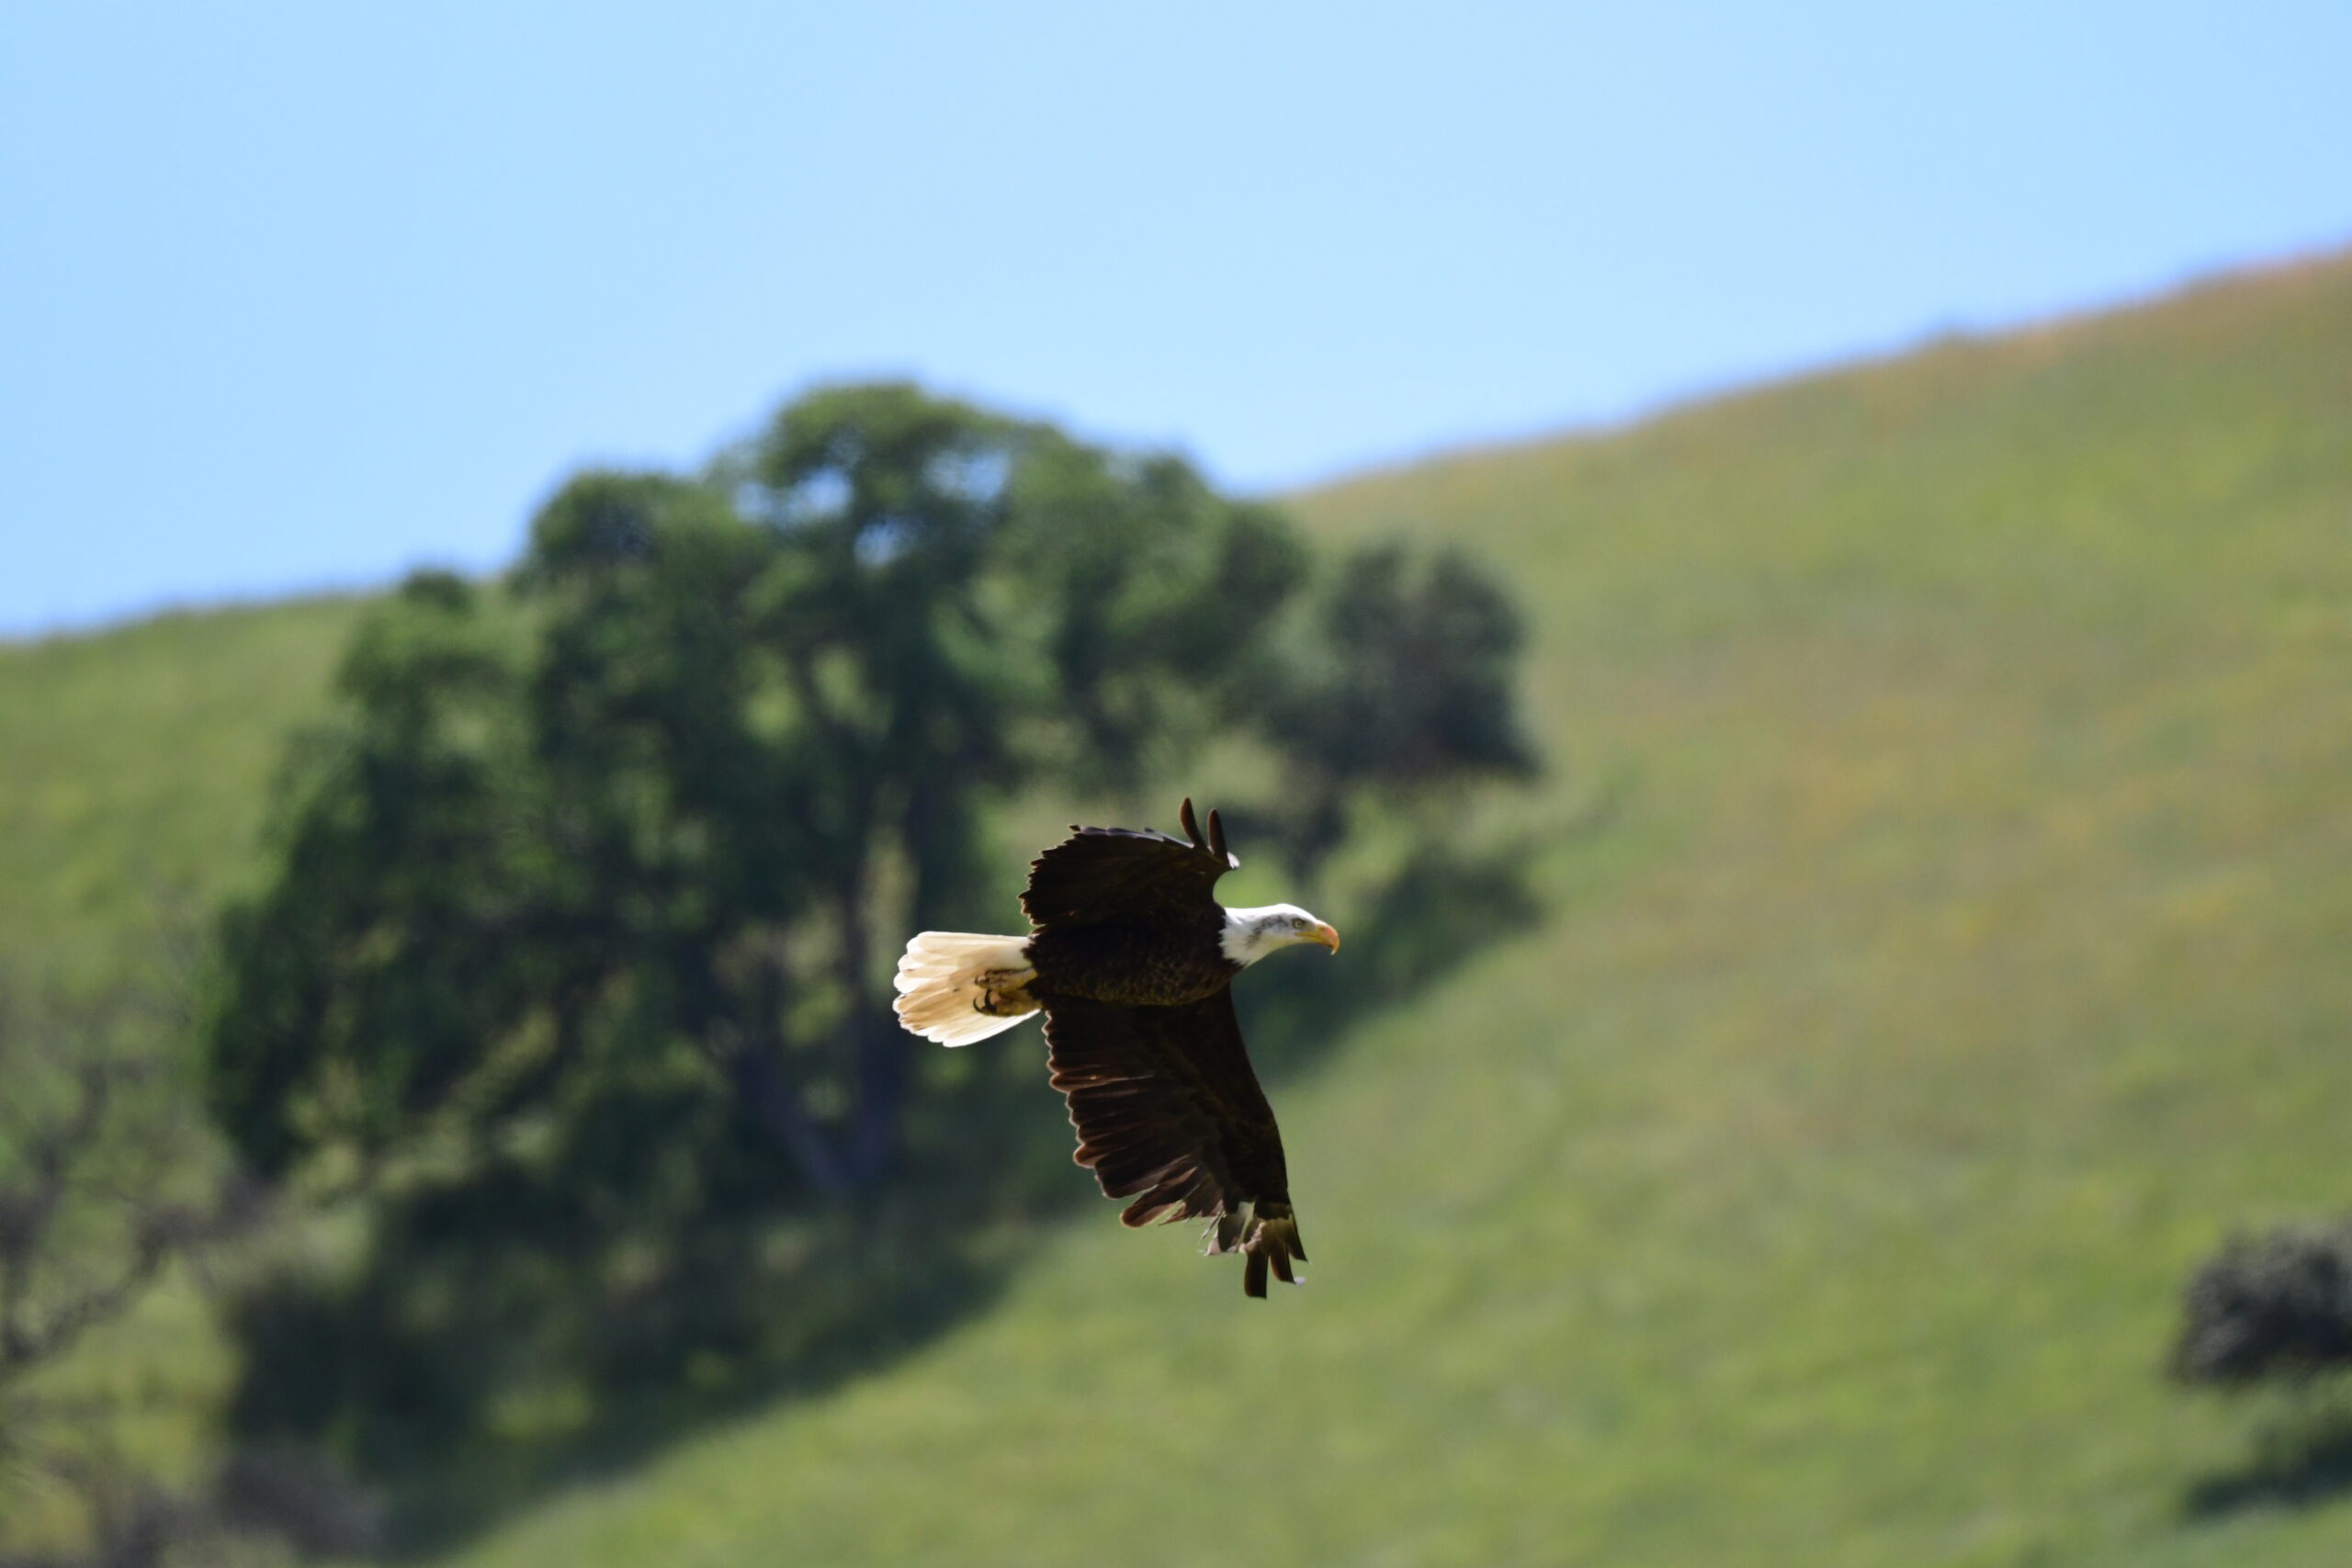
<point x="1167" y="1109"/>
<point x="1125" y="875"/>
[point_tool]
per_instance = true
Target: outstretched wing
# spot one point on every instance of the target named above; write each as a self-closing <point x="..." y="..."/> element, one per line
<point x="1167" y="1109"/>
<point x="1169" y="1115"/>
<point x="1119" y="876"/>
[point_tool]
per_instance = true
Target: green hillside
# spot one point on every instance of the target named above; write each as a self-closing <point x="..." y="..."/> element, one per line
<point x="134" y="771"/>
<point x="136" y="775"/>
<point x="1963" y="956"/>
<point x="1953" y="758"/>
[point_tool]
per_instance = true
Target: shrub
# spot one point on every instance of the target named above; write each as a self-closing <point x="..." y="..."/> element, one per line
<point x="2270" y="1307"/>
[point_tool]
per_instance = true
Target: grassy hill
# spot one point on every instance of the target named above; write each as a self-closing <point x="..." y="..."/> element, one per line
<point x="1962" y="954"/>
<point x="135" y="770"/>
<point x="138" y="764"/>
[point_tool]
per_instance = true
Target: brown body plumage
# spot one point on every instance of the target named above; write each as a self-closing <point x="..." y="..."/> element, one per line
<point x="1131" y="959"/>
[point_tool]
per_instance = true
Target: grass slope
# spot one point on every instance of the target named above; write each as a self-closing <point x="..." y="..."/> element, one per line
<point x="134" y="767"/>
<point x="1961" y="956"/>
<point x="136" y="770"/>
<point x="1965" y="954"/>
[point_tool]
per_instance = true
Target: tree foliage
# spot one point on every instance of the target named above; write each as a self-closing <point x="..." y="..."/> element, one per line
<point x="1406" y="684"/>
<point x="106" y="1177"/>
<point x="107" y="1181"/>
<point x="665" y="805"/>
<point x="2275" y="1306"/>
<point x="574" y="958"/>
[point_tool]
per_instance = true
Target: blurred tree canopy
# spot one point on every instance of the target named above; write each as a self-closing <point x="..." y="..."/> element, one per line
<point x="2275" y="1306"/>
<point x="575" y="954"/>
<point x="1407" y="684"/>
<point x="108" y="1182"/>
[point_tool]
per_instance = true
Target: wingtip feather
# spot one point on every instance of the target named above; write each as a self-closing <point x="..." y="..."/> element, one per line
<point x="1270" y="1241"/>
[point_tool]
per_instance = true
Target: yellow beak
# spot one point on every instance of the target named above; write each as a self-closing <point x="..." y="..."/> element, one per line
<point x="1325" y="935"/>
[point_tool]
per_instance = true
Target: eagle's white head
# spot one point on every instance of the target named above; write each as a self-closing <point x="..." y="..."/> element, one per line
<point x="1250" y="934"/>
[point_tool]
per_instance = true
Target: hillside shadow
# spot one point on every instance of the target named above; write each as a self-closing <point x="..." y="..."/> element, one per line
<point x="2300" y="1464"/>
<point x="758" y="1303"/>
<point x="434" y="1508"/>
<point x="518" y="1370"/>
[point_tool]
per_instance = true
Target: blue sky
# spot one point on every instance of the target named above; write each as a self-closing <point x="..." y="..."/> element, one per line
<point x="298" y="296"/>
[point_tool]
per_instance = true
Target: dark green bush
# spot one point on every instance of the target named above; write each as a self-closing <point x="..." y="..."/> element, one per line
<point x="2275" y="1306"/>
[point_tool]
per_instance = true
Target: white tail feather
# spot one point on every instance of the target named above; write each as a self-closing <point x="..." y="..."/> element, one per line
<point x="956" y="987"/>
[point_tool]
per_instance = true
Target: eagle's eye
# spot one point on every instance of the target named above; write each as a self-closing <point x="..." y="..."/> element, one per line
<point x="1297" y="924"/>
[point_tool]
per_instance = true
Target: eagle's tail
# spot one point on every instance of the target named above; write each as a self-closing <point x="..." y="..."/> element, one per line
<point x="1271" y="1238"/>
<point x="955" y="987"/>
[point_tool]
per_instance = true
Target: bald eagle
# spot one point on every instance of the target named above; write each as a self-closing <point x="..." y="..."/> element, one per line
<point x="1132" y="962"/>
